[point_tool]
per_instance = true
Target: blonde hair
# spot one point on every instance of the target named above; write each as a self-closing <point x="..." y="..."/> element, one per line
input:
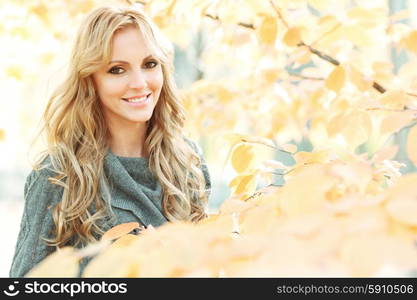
<point x="77" y="135"/>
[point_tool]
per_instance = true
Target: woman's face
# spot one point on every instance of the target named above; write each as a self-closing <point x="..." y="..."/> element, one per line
<point x="129" y="87"/>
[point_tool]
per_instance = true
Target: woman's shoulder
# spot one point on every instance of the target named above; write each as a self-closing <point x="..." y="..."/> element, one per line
<point x="40" y="175"/>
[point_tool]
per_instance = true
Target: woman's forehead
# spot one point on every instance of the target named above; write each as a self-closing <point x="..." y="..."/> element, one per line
<point x="131" y="40"/>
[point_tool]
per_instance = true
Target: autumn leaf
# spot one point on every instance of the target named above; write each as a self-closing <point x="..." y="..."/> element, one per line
<point x="402" y="200"/>
<point x="15" y="71"/>
<point x="336" y="80"/>
<point x="243" y="185"/>
<point x="115" y="260"/>
<point x="292" y="37"/>
<point x="393" y="99"/>
<point x="268" y="30"/>
<point x="120" y="230"/>
<point x="61" y="263"/>
<point x="410" y="41"/>
<point x="243" y="157"/>
<point x="385" y="153"/>
<point x="2" y="134"/>
<point x="395" y="121"/>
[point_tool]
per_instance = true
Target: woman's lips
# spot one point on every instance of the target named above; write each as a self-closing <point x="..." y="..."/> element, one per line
<point x="141" y="102"/>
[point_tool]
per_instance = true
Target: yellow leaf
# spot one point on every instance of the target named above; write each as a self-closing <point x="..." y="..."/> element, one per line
<point x="268" y="30"/>
<point x="304" y="192"/>
<point x="41" y="10"/>
<point x="22" y="31"/>
<point x="233" y="138"/>
<point x="243" y="158"/>
<point x="234" y="205"/>
<point x="386" y="153"/>
<point x="357" y="78"/>
<point x="358" y="35"/>
<point x="116" y="260"/>
<point x="15" y="71"/>
<point x="61" y="263"/>
<point x="301" y="55"/>
<point x="401" y="200"/>
<point x="243" y="185"/>
<point x="393" y="99"/>
<point x="292" y="37"/>
<point x="382" y="71"/>
<point x="303" y="157"/>
<point x="412" y="145"/>
<point x="270" y="75"/>
<point x="336" y="79"/>
<point x="395" y="121"/>
<point x="225" y="95"/>
<point x="410" y="41"/>
<point x="404" y="210"/>
<point x="366" y="256"/>
<point x="47" y="57"/>
<point x="358" y="129"/>
<point x="120" y="230"/>
<point x="2" y="134"/>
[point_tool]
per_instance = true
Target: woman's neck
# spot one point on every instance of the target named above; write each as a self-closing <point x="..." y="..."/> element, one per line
<point x="128" y="141"/>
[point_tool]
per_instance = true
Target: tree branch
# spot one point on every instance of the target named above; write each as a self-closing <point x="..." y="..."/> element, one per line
<point x="246" y="25"/>
<point x="278" y="12"/>
<point x="305" y="77"/>
<point x="320" y="54"/>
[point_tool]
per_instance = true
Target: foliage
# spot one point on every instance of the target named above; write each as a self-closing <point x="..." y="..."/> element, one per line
<point x="275" y="73"/>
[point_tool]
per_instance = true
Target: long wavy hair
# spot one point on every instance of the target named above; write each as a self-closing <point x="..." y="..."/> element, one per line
<point x="76" y="135"/>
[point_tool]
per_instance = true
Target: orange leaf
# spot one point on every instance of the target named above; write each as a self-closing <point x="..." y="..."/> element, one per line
<point x="336" y="79"/>
<point x="293" y="37"/>
<point x="268" y="30"/>
<point x="393" y="99"/>
<point x="2" y="134"/>
<point x="396" y="121"/>
<point x="61" y="263"/>
<point x="120" y="230"/>
<point x="410" y="41"/>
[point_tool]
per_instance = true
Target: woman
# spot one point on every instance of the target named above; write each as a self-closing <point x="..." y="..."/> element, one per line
<point x="116" y="152"/>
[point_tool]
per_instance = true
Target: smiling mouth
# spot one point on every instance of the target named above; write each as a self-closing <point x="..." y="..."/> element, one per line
<point x="137" y="99"/>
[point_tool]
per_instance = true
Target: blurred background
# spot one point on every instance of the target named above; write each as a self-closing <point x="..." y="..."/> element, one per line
<point x="220" y="56"/>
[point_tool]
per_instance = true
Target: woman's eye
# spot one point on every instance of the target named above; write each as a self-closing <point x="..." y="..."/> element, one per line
<point x="116" y="70"/>
<point x="151" y="64"/>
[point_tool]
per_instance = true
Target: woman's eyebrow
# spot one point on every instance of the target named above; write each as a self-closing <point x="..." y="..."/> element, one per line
<point x="125" y="62"/>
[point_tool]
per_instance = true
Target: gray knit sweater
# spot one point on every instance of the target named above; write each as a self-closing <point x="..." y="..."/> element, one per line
<point x="136" y="196"/>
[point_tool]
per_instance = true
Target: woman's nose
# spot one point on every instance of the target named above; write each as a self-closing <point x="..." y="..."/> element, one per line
<point x="137" y="79"/>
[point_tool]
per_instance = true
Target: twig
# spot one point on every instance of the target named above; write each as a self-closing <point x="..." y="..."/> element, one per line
<point x="391" y="109"/>
<point x="326" y="33"/>
<point x="320" y="54"/>
<point x="273" y="147"/>
<point x="305" y="77"/>
<point x="258" y="193"/>
<point x="378" y="87"/>
<point x="279" y="14"/>
<point x="246" y="25"/>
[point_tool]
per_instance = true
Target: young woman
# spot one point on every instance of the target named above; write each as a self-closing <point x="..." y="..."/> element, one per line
<point x="116" y="149"/>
